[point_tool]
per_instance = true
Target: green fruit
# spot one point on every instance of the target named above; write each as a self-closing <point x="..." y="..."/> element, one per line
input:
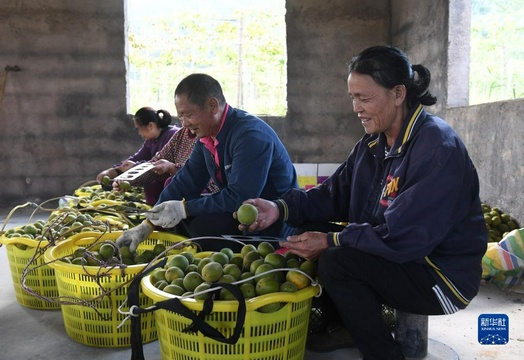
<point x="179" y="282"/>
<point x="220" y="258"/>
<point x="106" y="251"/>
<point x="79" y="252"/>
<point x="247" y="214"/>
<point x="247" y="275"/>
<point x="30" y="229"/>
<point x="192" y="267"/>
<point x="309" y="267"/>
<point x="124" y="185"/>
<point x="292" y="263"/>
<point x="192" y="280"/>
<point x="202" y="287"/>
<point x="159" y="249"/>
<point x="236" y="260"/>
<point x="212" y="272"/>
<point x="79" y="261"/>
<point x="179" y="261"/>
<point x="288" y="286"/>
<point x="149" y="255"/>
<point x="264" y="248"/>
<point x="157" y="275"/>
<point x="161" y="284"/>
<point x="270" y="308"/>
<point x="189" y="255"/>
<point x="125" y="253"/>
<point x="233" y="270"/>
<point x="140" y="259"/>
<point x="248" y="290"/>
<point x="262" y="272"/>
<point x="247" y="249"/>
<point x="203" y="262"/>
<point x="173" y="272"/>
<point x="174" y="289"/>
<point x="228" y="252"/>
<point x="276" y="260"/>
<point x="249" y="258"/>
<point x="267" y="286"/>
<point x="106" y="180"/>
<point x="225" y="294"/>
<point x="255" y="264"/>
<point x="226" y="278"/>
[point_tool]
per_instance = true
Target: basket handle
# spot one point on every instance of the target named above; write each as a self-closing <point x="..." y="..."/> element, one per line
<point x="137" y="350"/>
<point x="175" y="305"/>
<point x="199" y="323"/>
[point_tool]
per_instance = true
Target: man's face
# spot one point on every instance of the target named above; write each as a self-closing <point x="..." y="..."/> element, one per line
<point x="199" y="121"/>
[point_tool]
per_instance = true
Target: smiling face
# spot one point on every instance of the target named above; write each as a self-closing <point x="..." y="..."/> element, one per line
<point x="201" y="122"/>
<point x="379" y="109"/>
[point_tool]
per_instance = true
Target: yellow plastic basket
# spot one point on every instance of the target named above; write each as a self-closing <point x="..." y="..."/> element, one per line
<point x="40" y="278"/>
<point x="83" y="323"/>
<point x="277" y="335"/>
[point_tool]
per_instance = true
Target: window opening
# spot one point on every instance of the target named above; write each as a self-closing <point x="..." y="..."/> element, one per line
<point x="240" y="43"/>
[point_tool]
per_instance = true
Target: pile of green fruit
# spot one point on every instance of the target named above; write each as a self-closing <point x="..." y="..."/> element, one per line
<point x="498" y="222"/>
<point x="107" y="254"/>
<point x="60" y="225"/>
<point x="254" y="269"/>
<point x="94" y="193"/>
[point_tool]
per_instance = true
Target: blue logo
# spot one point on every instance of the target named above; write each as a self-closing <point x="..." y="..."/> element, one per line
<point x="493" y="329"/>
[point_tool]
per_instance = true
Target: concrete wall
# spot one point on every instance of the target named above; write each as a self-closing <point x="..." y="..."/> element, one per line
<point x="494" y="136"/>
<point x="322" y="36"/>
<point x="62" y="116"/>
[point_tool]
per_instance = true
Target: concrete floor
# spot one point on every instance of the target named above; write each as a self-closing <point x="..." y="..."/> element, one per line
<point x="29" y="334"/>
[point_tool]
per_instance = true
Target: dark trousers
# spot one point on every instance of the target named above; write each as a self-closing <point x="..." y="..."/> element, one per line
<point x="359" y="283"/>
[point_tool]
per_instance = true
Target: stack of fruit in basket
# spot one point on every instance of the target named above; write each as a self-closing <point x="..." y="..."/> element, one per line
<point x="107" y="254"/>
<point x="498" y="222"/>
<point x="65" y="223"/>
<point x="257" y="270"/>
<point x="129" y="202"/>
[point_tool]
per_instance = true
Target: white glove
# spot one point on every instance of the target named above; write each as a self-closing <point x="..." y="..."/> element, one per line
<point x="135" y="236"/>
<point x="167" y="214"/>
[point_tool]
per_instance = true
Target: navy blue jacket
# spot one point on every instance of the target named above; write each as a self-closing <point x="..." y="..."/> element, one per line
<point x="418" y="203"/>
<point x="253" y="161"/>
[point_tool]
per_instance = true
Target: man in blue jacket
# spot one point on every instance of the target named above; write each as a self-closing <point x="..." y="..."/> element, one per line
<point x="240" y="152"/>
<point x="410" y="195"/>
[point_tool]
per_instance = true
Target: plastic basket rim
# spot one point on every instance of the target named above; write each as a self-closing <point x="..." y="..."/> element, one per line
<point x="230" y="305"/>
<point x="87" y="238"/>
<point x="22" y="240"/>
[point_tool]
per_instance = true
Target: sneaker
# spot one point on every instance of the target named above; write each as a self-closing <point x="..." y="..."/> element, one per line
<point x="331" y="340"/>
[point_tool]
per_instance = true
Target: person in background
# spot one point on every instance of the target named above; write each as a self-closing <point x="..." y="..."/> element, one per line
<point x="166" y="163"/>
<point x="154" y="126"/>
<point x="410" y="194"/>
<point x="238" y="151"/>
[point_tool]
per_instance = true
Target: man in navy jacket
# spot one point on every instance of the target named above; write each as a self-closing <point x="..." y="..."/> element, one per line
<point x="241" y="154"/>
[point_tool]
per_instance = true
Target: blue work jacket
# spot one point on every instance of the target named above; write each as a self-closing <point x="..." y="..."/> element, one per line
<point x="418" y="202"/>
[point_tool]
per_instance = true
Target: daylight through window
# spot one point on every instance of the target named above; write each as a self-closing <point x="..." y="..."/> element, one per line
<point x="497" y="52"/>
<point x="240" y="43"/>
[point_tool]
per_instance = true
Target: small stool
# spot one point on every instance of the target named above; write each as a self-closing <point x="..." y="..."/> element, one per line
<point x="411" y="331"/>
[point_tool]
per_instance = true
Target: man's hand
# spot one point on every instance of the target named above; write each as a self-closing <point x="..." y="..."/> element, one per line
<point x="135" y="236"/>
<point x="268" y="214"/>
<point x="167" y="214"/>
